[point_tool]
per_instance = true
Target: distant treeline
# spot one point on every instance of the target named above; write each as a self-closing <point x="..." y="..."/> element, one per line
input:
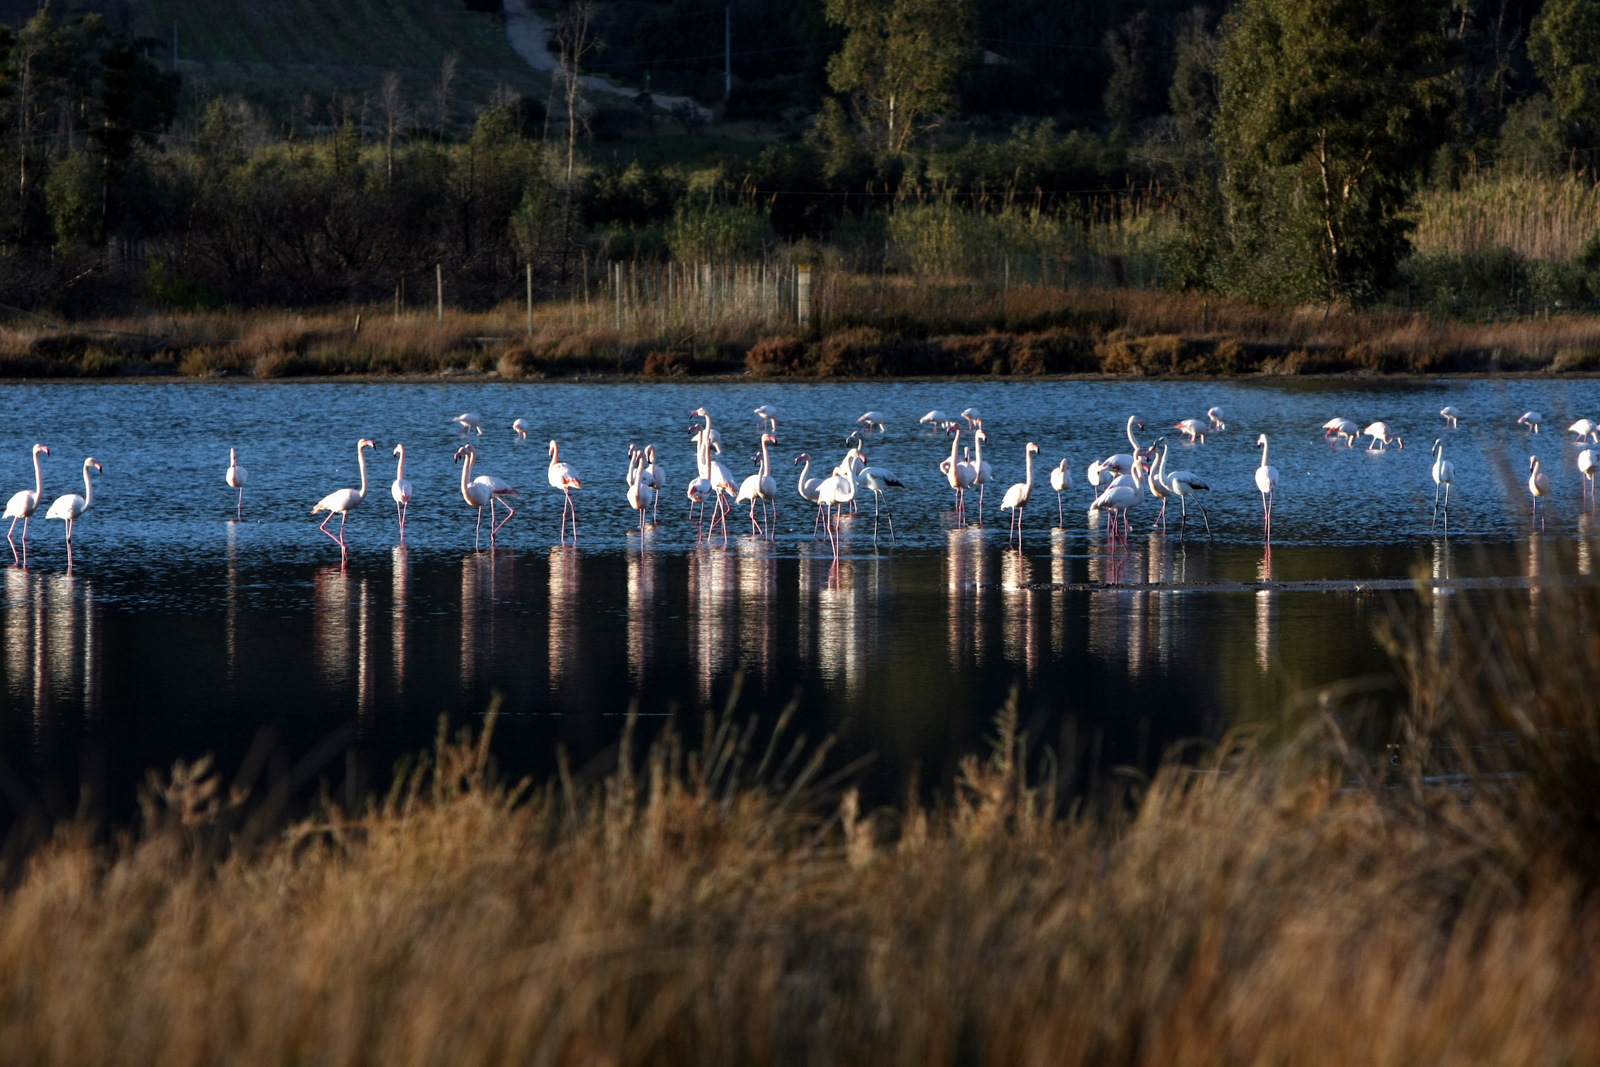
<point x="1269" y="149"/>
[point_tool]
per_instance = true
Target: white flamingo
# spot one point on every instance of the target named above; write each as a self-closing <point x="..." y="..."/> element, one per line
<point x="982" y="473"/>
<point x="760" y="486"/>
<point x="482" y="490"/>
<point x="1183" y="485"/>
<point x="341" y="502"/>
<point x="701" y="490"/>
<point x="1538" y="488"/>
<point x="656" y="477"/>
<point x="1016" y="498"/>
<point x="1381" y="435"/>
<point x="1585" y="430"/>
<point x="1193" y="429"/>
<point x="468" y="422"/>
<point x="1346" y="429"/>
<point x="70" y="507"/>
<point x="768" y="416"/>
<point x="641" y="495"/>
<point x="400" y="488"/>
<point x="1060" y="480"/>
<point x="564" y="476"/>
<point x="877" y="479"/>
<point x="1451" y="414"/>
<point x="874" y="421"/>
<point x="25" y="502"/>
<point x="521" y="429"/>
<point x="1123" y="462"/>
<point x="1588" y="461"/>
<point x="236" y="476"/>
<point x="960" y="476"/>
<point x="974" y="418"/>
<point x="938" y="420"/>
<point x="1215" y="415"/>
<point x="808" y="488"/>
<point x="1444" y="475"/>
<point x="834" y="494"/>
<point x="1125" y="492"/>
<point x="1267" y="485"/>
<point x="1531" y="419"/>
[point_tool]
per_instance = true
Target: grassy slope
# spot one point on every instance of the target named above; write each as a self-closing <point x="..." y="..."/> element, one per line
<point x="287" y="49"/>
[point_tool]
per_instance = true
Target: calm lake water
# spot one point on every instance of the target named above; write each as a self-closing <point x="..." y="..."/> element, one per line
<point x="179" y="631"/>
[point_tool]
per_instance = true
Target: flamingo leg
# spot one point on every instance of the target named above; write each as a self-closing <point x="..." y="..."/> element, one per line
<point x="240" y="511"/>
<point x="323" y="528"/>
<point x="510" y="511"/>
<point x="887" y="510"/>
<point x="1061" y="517"/>
<point x="477" y="536"/>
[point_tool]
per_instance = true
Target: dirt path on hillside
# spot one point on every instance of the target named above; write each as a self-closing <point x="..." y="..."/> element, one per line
<point x="530" y="34"/>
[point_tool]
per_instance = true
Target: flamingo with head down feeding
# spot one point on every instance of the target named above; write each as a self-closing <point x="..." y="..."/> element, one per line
<point x="469" y="421"/>
<point x="1451" y="414"/>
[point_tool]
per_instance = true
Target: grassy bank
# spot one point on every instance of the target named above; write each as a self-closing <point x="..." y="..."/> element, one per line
<point x="688" y="323"/>
<point x="1304" y="906"/>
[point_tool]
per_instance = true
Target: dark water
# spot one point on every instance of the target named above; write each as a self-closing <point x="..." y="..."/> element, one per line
<point x="179" y="632"/>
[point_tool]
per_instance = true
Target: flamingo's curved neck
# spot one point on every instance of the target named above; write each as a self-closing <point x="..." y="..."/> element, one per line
<point x="766" y="463"/>
<point x="1161" y="465"/>
<point x="88" y="488"/>
<point x="805" y="470"/>
<point x="977" y="455"/>
<point x="1131" y="439"/>
<point x="954" y="444"/>
<point x="466" y="475"/>
<point x="400" y="468"/>
<point x="38" y="478"/>
<point x="361" y="461"/>
<point x="1028" y="479"/>
<point x="1263" y="452"/>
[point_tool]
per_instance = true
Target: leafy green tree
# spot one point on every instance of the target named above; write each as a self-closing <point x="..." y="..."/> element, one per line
<point x="1328" y="116"/>
<point x="899" y="63"/>
<point x="1564" y="44"/>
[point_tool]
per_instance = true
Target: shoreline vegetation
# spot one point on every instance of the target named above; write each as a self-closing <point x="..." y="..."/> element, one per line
<point x="692" y="323"/>
<point x="1264" y="902"/>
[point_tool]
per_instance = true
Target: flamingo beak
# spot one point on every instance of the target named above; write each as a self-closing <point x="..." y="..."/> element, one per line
<point x="43" y="449"/>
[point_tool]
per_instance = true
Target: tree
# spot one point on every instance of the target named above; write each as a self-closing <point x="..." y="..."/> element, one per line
<point x="1564" y="44"/>
<point x="1128" y="88"/>
<point x="1328" y="116"/>
<point x="899" y="63"/>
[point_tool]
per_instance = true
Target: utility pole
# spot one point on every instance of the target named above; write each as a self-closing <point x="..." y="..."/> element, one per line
<point x="727" y="53"/>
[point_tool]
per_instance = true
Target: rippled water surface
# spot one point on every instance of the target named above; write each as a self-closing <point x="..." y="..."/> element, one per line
<point x="179" y="631"/>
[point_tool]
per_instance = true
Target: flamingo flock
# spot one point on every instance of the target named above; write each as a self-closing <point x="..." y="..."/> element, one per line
<point x="1121" y="482"/>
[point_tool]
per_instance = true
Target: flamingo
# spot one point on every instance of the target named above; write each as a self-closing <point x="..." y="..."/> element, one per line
<point x="877" y="479"/>
<point x="974" y="418"/>
<point x="1215" y="415"/>
<point x="834" y="493"/>
<point x="982" y="474"/>
<point x="808" y="488"/>
<point x="938" y="419"/>
<point x="1096" y="474"/>
<point x="1444" y="474"/>
<point x="468" y="421"/>
<point x="1345" y="429"/>
<point x="1016" y="498"/>
<point x="1060" y="479"/>
<point x="760" y="486"/>
<point x="713" y="438"/>
<point x="1123" y="462"/>
<point x="768" y="416"/>
<point x="400" y="489"/>
<point x="236" y="476"/>
<point x="564" y="476"/>
<point x="1451" y="414"/>
<point x="1183" y="485"/>
<point x="641" y="495"/>
<point x="700" y="488"/>
<point x="960" y="476"/>
<point x="24" y="503"/>
<point x="1588" y="461"/>
<point x="1382" y="435"/>
<point x="1585" y="430"/>
<point x="655" y="477"/>
<point x="1157" y="485"/>
<point x="1531" y="419"/>
<point x="1193" y="429"/>
<point x="1538" y="486"/>
<point x="521" y="428"/>
<point x="1267" y="484"/>
<point x="873" y="420"/>
<point x="341" y="502"/>
<point x="482" y="490"/>
<point x="68" y="508"/>
<point x="1124" y="492"/>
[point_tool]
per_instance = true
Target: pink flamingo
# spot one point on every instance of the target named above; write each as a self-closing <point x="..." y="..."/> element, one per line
<point x="564" y="476"/>
<point x="341" y="502"/>
<point x="23" y="504"/>
<point x="484" y="489"/>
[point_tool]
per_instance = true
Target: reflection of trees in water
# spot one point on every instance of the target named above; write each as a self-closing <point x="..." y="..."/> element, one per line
<point x="52" y="643"/>
<point x="758" y="584"/>
<point x="642" y="569"/>
<point x="712" y="617"/>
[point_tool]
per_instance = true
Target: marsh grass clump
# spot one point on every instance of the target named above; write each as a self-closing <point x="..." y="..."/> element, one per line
<point x="727" y="906"/>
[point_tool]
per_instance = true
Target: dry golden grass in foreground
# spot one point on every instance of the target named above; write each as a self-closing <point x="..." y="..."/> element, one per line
<point x="1282" y="908"/>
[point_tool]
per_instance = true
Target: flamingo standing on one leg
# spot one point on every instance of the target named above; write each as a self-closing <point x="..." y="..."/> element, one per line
<point x="1016" y="498"/>
<point x="655" y="477"/>
<point x="400" y="489"/>
<point x="564" y="476"/>
<point x="1538" y="488"/>
<point x="70" y="507"/>
<point x="1060" y="480"/>
<point x="236" y="476"/>
<point x="484" y="489"/>
<point x="1444" y="475"/>
<point x="25" y="502"/>
<point x="1267" y="484"/>
<point x="342" y="502"/>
